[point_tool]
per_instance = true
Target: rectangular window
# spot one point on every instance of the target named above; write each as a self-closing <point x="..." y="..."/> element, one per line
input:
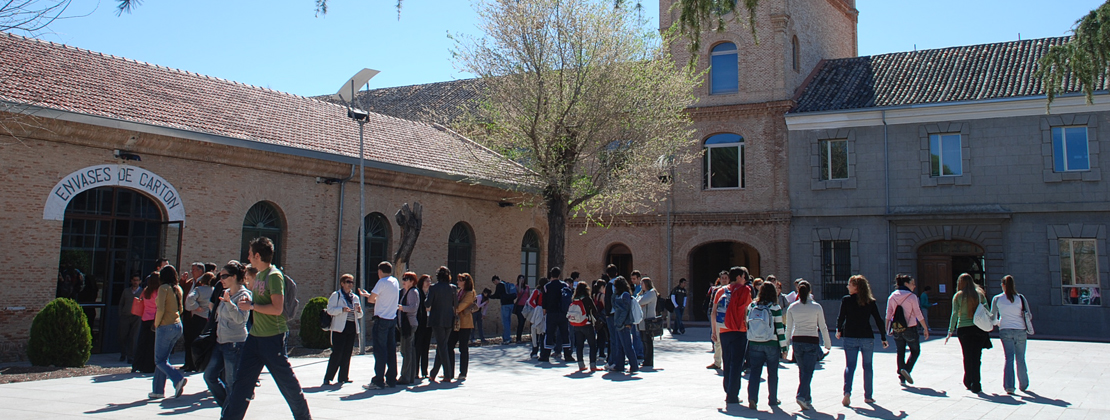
<point x="836" y="268"/>
<point x="1079" y="271"/>
<point x="946" y="155"/>
<point x="724" y="167"/>
<point x="834" y="159"/>
<point x="1069" y="149"/>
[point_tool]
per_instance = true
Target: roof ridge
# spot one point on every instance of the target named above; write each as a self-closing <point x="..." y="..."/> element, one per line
<point x="154" y="65"/>
<point x="954" y="47"/>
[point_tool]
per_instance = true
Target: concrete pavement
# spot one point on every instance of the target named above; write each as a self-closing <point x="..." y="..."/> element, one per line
<point x="1069" y="380"/>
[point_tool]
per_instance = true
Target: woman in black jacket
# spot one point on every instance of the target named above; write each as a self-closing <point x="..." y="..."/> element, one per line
<point x="854" y="327"/>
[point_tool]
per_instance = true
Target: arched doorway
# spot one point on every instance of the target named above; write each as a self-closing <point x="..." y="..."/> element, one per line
<point x="620" y="256"/>
<point x="708" y="260"/>
<point x="108" y="235"/>
<point x="939" y="264"/>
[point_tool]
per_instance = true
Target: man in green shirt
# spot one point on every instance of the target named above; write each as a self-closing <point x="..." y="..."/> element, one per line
<point x="265" y="346"/>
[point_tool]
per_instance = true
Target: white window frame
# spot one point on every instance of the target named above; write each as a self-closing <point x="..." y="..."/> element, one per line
<point x="1071" y="252"/>
<point x="827" y="171"/>
<point x="940" y="153"/>
<point x="739" y="164"/>
<point x="1064" y="145"/>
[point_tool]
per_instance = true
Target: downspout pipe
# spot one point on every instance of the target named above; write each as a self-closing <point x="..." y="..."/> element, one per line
<point x="886" y="196"/>
<point x="339" y="226"/>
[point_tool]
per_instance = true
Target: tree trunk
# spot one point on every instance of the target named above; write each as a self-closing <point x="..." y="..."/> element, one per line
<point x="556" y="231"/>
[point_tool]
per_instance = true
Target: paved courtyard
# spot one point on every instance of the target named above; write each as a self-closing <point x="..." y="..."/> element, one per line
<point x="1070" y="380"/>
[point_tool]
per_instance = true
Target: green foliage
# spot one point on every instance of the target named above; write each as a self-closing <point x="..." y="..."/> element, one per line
<point x="60" y="335"/>
<point x="311" y="335"/>
<point x="1085" y="58"/>
<point x="696" y="16"/>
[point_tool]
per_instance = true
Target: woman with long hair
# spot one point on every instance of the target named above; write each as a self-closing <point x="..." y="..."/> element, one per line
<point x="167" y="332"/>
<point x="583" y="314"/>
<point x="523" y="293"/>
<point x="537" y="329"/>
<point x="144" y="349"/>
<point x="423" y="338"/>
<point x="906" y="333"/>
<point x="1008" y="309"/>
<point x="857" y="309"/>
<point x="231" y="332"/>
<point x="598" y="295"/>
<point x="972" y="339"/>
<point x="410" y="304"/>
<point x="765" y="318"/>
<point x="648" y="298"/>
<point x="622" y="322"/>
<point x="198" y="304"/>
<point x="804" y="320"/>
<point x="345" y="309"/>
<point x="461" y="337"/>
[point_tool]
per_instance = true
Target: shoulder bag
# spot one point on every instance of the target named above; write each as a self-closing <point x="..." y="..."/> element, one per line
<point x="983" y="318"/>
<point x="1027" y="316"/>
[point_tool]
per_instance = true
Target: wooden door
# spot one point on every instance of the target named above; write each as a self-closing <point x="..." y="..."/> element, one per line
<point x="936" y="271"/>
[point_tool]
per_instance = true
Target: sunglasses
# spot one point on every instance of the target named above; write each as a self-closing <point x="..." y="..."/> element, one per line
<point x="348" y="282"/>
<point x="224" y="276"/>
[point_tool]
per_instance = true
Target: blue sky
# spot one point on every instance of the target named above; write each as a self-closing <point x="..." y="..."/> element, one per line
<point x="281" y="45"/>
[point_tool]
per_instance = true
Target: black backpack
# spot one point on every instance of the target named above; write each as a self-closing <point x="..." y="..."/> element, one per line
<point x="898" y="324"/>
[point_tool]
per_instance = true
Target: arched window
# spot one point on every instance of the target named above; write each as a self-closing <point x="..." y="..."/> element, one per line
<point x="530" y="257"/>
<point x="460" y="249"/>
<point x="795" y="54"/>
<point x="376" y="241"/>
<point x="263" y="219"/>
<point x="723" y="162"/>
<point x="724" y="71"/>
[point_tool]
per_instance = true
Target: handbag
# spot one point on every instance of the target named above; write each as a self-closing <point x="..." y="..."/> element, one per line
<point x="136" y="306"/>
<point x="983" y="318"/>
<point x="654" y="326"/>
<point x="1028" y="316"/>
<point x="325" y="320"/>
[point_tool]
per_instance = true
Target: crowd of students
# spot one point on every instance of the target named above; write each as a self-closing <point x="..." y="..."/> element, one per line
<point x="755" y="325"/>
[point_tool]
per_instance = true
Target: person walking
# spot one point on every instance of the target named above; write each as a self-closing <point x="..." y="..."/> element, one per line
<point x="522" y="295"/>
<point x="903" y="320"/>
<point x="346" y="310"/>
<point x="730" y="319"/>
<point x="461" y="336"/>
<point x="647" y="299"/>
<point x="583" y="314"/>
<point x="129" y="324"/>
<point x="1011" y="312"/>
<point x="231" y="332"/>
<point x="506" y="293"/>
<point x="442" y="300"/>
<point x="766" y="342"/>
<point x="854" y="326"/>
<point x="410" y="323"/>
<point x="678" y="299"/>
<point x="962" y="322"/>
<point x="265" y="345"/>
<point x="144" y="348"/>
<point x="714" y="332"/>
<point x="804" y="320"/>
<point x="385" y="297"/>
<point x="167" y="332"/>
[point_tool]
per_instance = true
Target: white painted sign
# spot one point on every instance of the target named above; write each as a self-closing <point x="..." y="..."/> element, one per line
<point x="942" y="289"/>
<point x="113" y="175"/>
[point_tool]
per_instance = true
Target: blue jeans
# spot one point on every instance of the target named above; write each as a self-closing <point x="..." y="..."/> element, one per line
<point x="385" y="352"/>
<point x="165" y="337"/>
<point x="225" y="357"/>
<point x="1013" y="345"/>
<point x="679" y="327"/>
<point x="758" y="356"/>
<point x="506" y="323"/>
<point x="734" y="344"/>
<point x="624" y="349"/>
<point x="637" y="342"/>
<point x="268" y="352"/>
<point x="806" y="356"/>
<point x="852" y="347"/>
<point x="614" y="341"/>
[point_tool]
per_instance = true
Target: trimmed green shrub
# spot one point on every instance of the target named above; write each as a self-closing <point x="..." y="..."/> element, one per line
<point x="60" y="335"/>
<point x="311" y="335"/>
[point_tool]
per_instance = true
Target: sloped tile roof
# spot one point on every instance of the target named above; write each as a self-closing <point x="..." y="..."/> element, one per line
<point x="439" y="103"/>
<point x="965" y="73"/>
<point x="65" y="78"/>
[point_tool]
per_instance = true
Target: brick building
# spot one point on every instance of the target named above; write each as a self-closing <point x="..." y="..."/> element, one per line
<point x="207" y="164"/>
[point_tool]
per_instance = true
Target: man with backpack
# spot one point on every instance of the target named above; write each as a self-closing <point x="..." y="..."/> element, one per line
<point x="557" y="296"/>
<point x="730" y="318"/>
<point x="265" y="345"/>
<point x="507" y="293"/>
<point x="903" y="316"/>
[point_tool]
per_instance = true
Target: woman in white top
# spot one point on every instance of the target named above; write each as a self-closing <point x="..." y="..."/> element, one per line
<point x="1008" y="309"/>
<point x="647" y="300"/>
<point x="345" y="309"/>
<point x="804" y="319"/>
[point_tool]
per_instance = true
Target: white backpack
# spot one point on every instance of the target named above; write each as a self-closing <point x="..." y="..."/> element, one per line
<point x="761" y="323"/>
